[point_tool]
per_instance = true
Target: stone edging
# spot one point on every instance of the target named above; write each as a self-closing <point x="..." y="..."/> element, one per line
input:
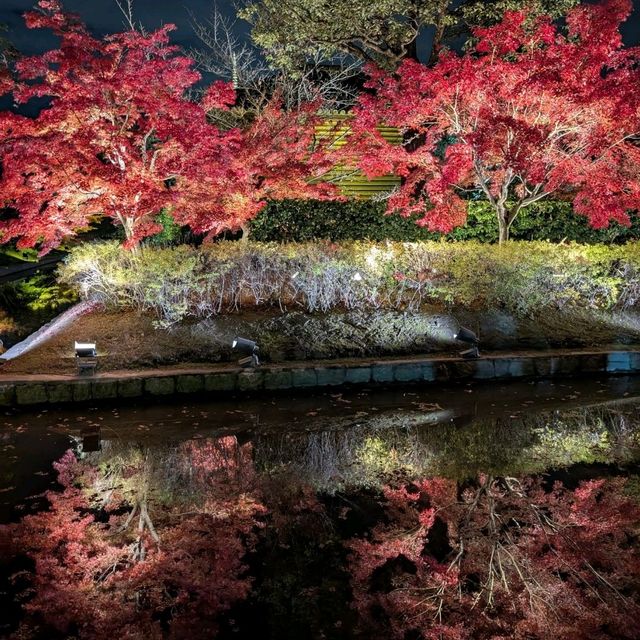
<point x="37" y="390"/>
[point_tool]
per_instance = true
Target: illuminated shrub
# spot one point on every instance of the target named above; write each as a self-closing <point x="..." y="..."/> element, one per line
<point x="521" y="278"/>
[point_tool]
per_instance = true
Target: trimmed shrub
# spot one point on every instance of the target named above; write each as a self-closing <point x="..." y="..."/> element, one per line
<point x="523" y="278"/>
<point x="305" y="220"/>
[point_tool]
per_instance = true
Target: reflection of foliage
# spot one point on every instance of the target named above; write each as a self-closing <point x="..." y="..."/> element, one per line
<point x="384" y="448"/>
<point x="303" y="580"/>
<point x="115" y="558"/>
<point x="530" y="564"/>
<point x="375" y="455"/>
<point x="161" y="541"/>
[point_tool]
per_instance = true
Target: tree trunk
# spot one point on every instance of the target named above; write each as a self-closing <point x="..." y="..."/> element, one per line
<point x="503" y="230"/>
<point x="438" y="35"/>
<point x="505" y="219"/>
<point x="245" y="232"/>
<point x="411" y="51"/>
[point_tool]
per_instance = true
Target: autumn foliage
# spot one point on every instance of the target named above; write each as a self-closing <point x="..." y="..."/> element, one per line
<point x="531" y="111"/>
<point x="114" y="558"/>
<point x="163" y="540"/>
<point x="500" y="558"/>
<point x="120" y="139"/>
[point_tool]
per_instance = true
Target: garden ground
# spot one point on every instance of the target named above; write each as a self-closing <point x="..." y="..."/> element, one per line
<point x="131" y="340"/>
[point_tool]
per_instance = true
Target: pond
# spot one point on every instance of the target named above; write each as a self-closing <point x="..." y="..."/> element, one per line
<point x="490" y="511"/>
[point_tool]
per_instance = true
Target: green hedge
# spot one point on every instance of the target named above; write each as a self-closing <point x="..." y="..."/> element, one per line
<point x="304" y="220"/>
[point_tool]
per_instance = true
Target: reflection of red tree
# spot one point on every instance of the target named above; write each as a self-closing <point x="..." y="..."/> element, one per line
<point x="91" y="580"/>
<point x="501" y="559"/>
<point x="220" y="461"/>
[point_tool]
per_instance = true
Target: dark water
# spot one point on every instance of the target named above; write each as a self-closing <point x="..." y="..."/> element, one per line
<point x="464" y="512"/>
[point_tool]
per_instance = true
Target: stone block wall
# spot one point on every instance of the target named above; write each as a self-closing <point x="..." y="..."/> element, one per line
<point x="223" y="380"/>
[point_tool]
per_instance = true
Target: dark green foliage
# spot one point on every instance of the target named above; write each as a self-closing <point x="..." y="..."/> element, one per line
<point x="304" y="220"/>
<point x="38" y="293"/>
<point x="544" y="220"/>
<point x="27" y="304"/>
<point x="171" y="231"/>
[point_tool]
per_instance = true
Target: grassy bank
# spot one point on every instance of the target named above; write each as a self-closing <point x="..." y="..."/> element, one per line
<point x="184" y="305"/>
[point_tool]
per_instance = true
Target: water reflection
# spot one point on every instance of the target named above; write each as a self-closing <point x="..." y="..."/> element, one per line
<point x="413" y="518"/>
<point x="368" y="455"/>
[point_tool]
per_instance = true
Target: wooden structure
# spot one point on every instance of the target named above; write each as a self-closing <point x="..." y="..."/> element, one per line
<point x="353" y="183"/>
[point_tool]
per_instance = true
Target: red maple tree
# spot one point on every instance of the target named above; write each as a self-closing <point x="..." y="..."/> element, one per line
<point x="119" y="139"/>
<point x="111" y="139"/>
<point x="274" y="157"/>
<point x="530" y="112"/>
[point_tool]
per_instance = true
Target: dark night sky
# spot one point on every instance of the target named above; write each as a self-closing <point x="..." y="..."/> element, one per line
<point x="103" y="16"/>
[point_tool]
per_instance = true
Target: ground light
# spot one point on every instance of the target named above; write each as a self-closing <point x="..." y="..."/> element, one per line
<point x="467" y="336"/>
<point x="86" y="357"/>
<point x="250" y="348"/>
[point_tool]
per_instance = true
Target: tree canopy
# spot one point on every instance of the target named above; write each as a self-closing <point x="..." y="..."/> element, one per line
<point x="529" y="111"/>
<point x="120" y="139"/>
<point x="380" y="31"/>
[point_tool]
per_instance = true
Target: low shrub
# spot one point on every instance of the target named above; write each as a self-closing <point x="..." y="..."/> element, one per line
<point x="523" y="278"/>
<point x="7" y="324"/>
<point x="304" y="220"/>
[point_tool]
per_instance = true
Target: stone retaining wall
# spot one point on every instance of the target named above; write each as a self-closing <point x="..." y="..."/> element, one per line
<point x="36" y="390"/>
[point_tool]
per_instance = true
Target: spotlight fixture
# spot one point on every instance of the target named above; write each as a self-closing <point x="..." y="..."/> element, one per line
<point x="467" y="336"/>
<point x="86" y="357"/>
<point x="248" y="347"/>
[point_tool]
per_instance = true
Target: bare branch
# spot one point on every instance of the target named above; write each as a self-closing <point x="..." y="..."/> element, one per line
<point x="224" y="54"/>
